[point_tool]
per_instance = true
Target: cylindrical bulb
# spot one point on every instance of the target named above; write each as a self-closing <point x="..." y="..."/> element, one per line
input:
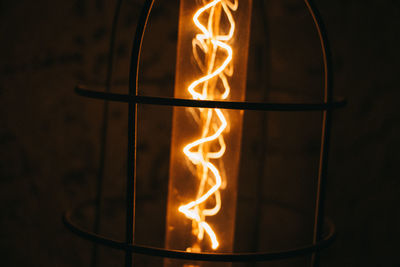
<point x="205" y="147"/>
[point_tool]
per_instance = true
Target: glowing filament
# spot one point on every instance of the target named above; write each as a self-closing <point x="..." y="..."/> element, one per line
<point x="215" y="63"/>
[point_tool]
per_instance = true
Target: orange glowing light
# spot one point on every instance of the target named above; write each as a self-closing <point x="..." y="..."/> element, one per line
<point x="216" y="65"/>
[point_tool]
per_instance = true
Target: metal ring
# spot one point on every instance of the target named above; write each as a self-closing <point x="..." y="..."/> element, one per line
<point x="220" y="257"/>
<point x="236" y="105"/>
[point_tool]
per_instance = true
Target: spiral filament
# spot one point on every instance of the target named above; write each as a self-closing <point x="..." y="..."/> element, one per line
<point x="213" y="56"/>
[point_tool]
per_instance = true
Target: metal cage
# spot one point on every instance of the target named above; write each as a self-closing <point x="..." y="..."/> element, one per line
<point x="320" y="239"/>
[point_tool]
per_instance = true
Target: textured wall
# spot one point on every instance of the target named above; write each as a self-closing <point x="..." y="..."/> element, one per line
<point x="49" y="137"/>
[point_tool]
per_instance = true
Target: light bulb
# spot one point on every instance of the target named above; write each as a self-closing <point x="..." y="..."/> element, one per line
<point x="205" y="147"/>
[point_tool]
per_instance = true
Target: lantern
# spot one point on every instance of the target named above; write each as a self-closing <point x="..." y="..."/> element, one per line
<point x="208" y="108"/>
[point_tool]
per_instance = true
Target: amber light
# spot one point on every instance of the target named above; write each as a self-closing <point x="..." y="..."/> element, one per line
<point x="205" y="147"/>
<point x="211" y="68"/>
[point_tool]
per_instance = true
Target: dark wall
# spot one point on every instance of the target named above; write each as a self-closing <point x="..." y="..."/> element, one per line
<point x="49" y="137"/>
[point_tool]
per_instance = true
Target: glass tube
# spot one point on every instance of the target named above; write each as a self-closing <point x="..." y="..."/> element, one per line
<point x="211" y="64"/>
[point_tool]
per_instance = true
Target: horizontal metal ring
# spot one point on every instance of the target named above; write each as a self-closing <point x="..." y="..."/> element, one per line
<point x="236" y="105"/>
<point x="215" y="257"/>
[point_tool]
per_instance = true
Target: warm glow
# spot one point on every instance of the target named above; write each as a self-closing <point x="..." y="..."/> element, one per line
<point x="215" y="63"/>
<point x="211" y="64"/>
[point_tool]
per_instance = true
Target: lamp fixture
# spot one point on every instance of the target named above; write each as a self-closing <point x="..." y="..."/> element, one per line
<point x="206" y="136"/>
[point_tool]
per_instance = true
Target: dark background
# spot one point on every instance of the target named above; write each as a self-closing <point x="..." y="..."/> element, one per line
<point x="49" y="137"/>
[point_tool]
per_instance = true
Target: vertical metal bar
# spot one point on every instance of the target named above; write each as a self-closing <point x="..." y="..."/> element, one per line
<point x="321" y="186"/>
<point x="131" y="181"/>
<point x="103" y="133"/>
<point x="132" y="129"/>
<point x="326" y="128"/>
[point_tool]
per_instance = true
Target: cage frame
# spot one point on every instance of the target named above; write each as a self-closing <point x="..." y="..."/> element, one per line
<point x="321" y="240"/>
